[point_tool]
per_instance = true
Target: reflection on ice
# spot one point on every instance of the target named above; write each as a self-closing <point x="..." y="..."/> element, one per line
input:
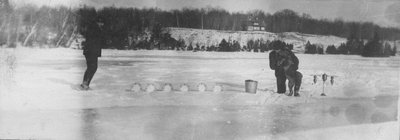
<point x="191" y="122"/>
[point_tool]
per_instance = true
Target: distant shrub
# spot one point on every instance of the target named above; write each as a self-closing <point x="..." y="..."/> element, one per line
<point x="342" y="49"/>
<point x="387" y="51"/>
<point x="224" y="46"/>
<point x="354" y="46"/>
<point x="190" y="47"/>
<point x="250" y="45"/>
<point x="180" y="44"/>
<point x="213" y="48"/>
<point x="276" y="45"/>
<point x="264" y="46"/>
<point x="320" y="50"/>
<point x="203" y="48"/>
<point x="244" y="48"/>
<point x="197" y="48"/>
<point x="331" y="49"/>
<point x="310" y="48"/>
<point x="236" y="46"/>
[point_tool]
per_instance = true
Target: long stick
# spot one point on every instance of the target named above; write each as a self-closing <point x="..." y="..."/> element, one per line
<point x="72" y="37"/>
<point x="62" y="30"/>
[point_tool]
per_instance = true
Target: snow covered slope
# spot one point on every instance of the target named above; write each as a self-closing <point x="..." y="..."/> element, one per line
<point x="214" y="37"/>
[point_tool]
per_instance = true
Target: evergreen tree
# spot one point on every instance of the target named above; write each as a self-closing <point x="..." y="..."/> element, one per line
<point x="168" y="42"/>
<point x="180" y="44"/>
<point x="387" y="50"/>
<point x="213" y="48"/>
<point x="208" y="48"/>
<point x="342" y="49"/>
<point x="250" y="45"/>
<point x="197" y="48"/>
<point x="236" y="46"/>
<point x="320" y="50"/>
<point x="277" y="45"/>
<point x="331" y="49"/>
<point x="156" y="36"/>
<point x="190" y="47"/>
<point x="354" y="46"/>
<point x="203" y="48"/>
<point x="310" y="48"/>
<point x="224" y="46"/>
<point x="264" y="46"/>
<point x="244" y="48"/>
<point x="373" y="48"/>
<point x="256" y="46"/>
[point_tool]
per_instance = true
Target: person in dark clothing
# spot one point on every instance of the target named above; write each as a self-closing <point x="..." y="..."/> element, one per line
<point x="92" y="46"/>
<point x="279" y="72"/>
<point x="289" y="62"/>
<point x="276" y="56"/>
<point x="286" y="53"/>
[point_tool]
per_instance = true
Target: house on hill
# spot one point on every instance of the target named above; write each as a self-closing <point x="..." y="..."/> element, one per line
<point x="255" y="25"/>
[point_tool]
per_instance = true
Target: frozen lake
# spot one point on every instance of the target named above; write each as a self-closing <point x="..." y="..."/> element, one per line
<point x="37" y="99"/>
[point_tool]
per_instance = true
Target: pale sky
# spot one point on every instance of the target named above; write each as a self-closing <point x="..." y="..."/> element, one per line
<point x="381" y="12"/>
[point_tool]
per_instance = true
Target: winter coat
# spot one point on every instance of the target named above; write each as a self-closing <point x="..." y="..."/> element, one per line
<point x="94" y="40"/>
<point x="273" y="62"/>
<point x="295" y="61"/>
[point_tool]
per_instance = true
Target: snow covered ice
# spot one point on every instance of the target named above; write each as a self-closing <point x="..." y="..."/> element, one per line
<point x="38" y="101"/>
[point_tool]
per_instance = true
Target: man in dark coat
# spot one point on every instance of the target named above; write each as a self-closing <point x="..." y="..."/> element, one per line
<point x="92" y="45"/>
<point x="274" y="57"/>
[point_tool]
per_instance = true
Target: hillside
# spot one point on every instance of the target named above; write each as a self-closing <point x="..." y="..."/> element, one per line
<point x="214" y="37"/>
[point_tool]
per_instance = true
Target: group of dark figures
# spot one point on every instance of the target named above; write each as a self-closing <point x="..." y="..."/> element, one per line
<point x="281" y="59"/>
<point x="286" y="64"/>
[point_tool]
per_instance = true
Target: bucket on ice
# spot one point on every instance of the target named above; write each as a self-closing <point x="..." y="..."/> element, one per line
<point x="251" y="86"/>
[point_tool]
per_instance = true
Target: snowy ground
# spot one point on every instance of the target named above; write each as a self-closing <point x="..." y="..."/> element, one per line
<point x="37" y="98"/>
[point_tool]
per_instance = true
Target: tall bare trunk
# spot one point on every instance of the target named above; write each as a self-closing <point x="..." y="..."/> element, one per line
<point x="72" y="37"/>
<point x="202" y="21"/>
<point x="177" y="20"/>
<point x="17" y="30"/>
<point x="65" y="21"/>
<point x="3" y="25"/>
<point x="9" y="30"/>
<point x="62" y="31"/>
<point x="234" y="25"/>
<point x="31" y="33"/>
<point x="59" y="40"/>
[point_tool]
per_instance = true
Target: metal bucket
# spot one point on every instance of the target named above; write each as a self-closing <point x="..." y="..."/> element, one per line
<point x="251" y="86"/>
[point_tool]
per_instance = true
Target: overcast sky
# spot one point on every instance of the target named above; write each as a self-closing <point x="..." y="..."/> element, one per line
<point x="382" y="12"/>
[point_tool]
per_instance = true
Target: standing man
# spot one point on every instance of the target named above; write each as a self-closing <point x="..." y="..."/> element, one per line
<point x="94" y="41"/>
<point x="279" y="71"/>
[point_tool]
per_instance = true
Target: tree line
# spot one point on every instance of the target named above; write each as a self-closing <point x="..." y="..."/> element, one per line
<point x="33" y="26"/>
<point x="134" y="28"/>
<point x="135" y="25"/>
<point x="373" y="47"/>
